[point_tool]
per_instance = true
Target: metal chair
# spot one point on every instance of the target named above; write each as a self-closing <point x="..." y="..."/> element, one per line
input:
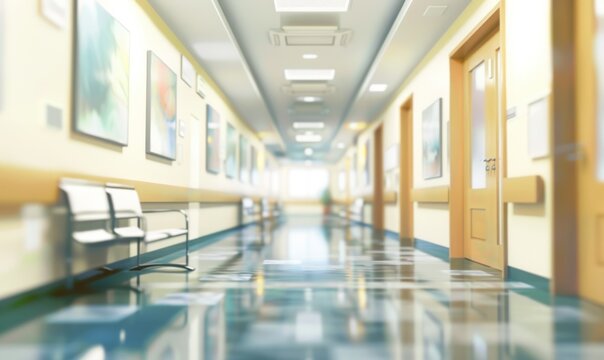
<point x="125" y="205"/>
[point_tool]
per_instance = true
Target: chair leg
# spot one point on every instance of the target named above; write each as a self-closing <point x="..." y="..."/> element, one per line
<point x="184" y="266"/>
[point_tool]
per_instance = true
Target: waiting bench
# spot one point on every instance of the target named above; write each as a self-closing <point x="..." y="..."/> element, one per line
<point x="95" y="212"/>
<point x="355" y="211"/>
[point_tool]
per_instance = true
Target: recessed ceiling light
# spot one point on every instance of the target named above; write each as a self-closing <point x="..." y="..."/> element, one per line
<point x="308" y="151"/>
<point x="357" y="125"/>
<point x="310" y="56"/>
<point x="311" y="5"/>
<point x="341" y="145"/>
<point x="378" y="87"/>
<point x="310" y="99"/>
<point x="309" y="138"/>
<point x="309" y="74"/>
<point x="309" y="125"/>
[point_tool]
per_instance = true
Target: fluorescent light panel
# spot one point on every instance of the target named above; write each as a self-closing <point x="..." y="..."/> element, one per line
<point x="309" y="138"/>
<point x="309" y="74"/>
<point x="310" y="99"/>
<point x="378" y="87"/>
<point x="308" y="125"/>
<point x="312" y="5"/>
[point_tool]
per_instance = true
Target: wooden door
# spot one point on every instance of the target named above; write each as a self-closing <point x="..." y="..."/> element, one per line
<point x="378" y="180"/>
<point x="406" y="171"/>
<point x="590" y="167"/>
<point x="481" y="163"/>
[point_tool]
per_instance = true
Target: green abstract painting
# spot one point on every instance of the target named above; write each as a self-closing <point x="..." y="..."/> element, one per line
<point x="212" y="140"/>
<point x="230" y="164"/>
<point x="102" y="74"/>
<point x="244" y="159"/>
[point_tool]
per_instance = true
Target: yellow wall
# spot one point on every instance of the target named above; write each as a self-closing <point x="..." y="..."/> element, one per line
<point x="38" y="71"/>
<point x="529" y="69"/>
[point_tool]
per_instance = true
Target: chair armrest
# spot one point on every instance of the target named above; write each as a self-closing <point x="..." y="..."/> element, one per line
<point x="159" y="211"/>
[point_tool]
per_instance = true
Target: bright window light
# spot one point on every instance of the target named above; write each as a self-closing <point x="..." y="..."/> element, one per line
<point x="378" y="87"/>
<point x="310" y="74"/>
<point x="307" y="183"/>
<point x="310" y="56"/>
<point x="309" y="138"/>
<point x="312" y="5"/>
<point x="309" y="125"/>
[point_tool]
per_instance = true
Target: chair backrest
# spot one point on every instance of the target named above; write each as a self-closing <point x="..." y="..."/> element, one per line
<point x="86" y="200"/>
<point x="124" y="201"/>
<point x="357" y="206"/>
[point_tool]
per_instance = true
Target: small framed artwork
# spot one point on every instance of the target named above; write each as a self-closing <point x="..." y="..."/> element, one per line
<point x="391" y="157"/>
<point x="102" y="75"/>
<point x="212" y="140"/>
<point x="538" y="129"/>
<point x="230" y="163"/>
<point x="187" y="71"/>
<point x="201" y="86"/>
<point x="244" y="159"/>
<point x="432" y="140"/>
<point x="161" y="108"/>
<point x="55" y="11"/>
<point x="255" y="175"/>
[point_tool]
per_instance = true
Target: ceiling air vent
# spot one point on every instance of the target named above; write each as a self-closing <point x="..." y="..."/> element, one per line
<point x="310" y="36"/>
<point x="308" y="88"/>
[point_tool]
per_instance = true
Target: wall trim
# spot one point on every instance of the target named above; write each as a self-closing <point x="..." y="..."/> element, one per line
<point x="537" y="281"/>
<point x="54" y="288"/>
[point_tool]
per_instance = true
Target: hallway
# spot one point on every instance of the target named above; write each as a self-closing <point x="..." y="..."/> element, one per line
<point x="308" y="289"/>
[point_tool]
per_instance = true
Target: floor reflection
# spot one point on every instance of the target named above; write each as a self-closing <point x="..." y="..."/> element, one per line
<point x="312" y="288"/>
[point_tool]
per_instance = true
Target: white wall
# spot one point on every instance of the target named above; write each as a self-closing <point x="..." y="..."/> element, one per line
<point x="37" y="70"/>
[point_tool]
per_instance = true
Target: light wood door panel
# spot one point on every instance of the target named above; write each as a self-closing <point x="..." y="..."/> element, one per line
<point x="591" y="167"/>
<point x="481" y="109"/>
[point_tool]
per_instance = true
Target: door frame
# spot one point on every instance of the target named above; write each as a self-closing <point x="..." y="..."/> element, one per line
<point x="406" y="170"/>
<point x="378" y="178"/>
<point x="494" y="21"/>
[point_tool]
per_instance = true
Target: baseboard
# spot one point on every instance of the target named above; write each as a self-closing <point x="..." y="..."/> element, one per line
<point x="174" y="251"/>
<point x="536" y="281"/>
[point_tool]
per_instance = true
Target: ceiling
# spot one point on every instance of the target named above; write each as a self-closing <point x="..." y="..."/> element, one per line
<point x="246" y="46"/>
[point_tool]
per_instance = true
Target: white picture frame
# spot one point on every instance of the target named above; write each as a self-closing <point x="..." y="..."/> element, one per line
<point x="187" y="71"/>
<point x="201" y="87"/>
<point x="55" y="11"/>
<point x="538" y="115"/>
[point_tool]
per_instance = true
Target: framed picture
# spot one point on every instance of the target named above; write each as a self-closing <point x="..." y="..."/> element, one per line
<point x="364" y="165"/>
<point x="187" y="71"/>
<point x="244" y="159"/>
<point x="230" y="163"/>
<point x="55" y="11"/>
<point x="102" y="74"/>
<point x="255" y="177"/>
<point x="161" y="108"/>
<point x="212" y="140"/>
<point x="537" y="128"/>
<point x="201" y="86"/>
<point x="432" y="140"/>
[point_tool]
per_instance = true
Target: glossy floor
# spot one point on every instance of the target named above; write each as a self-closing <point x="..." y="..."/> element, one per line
<point x="308" y="289"/>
